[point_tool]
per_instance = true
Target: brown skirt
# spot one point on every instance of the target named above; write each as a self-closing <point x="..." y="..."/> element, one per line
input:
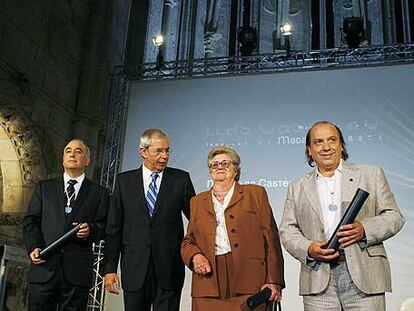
<point x="227" y="300"/>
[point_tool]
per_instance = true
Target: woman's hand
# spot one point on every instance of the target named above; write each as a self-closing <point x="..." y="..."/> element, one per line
<point x="276" y="291"/>
<point x="201" y="265"/>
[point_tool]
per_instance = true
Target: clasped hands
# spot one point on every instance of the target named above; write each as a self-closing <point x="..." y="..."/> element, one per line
<point x="348" y="235"/>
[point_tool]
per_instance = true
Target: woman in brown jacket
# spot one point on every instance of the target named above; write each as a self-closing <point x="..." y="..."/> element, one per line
<point x="232" y="243"/>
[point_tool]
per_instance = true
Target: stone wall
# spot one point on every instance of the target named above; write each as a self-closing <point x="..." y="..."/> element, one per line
<point x="55" y="63"/>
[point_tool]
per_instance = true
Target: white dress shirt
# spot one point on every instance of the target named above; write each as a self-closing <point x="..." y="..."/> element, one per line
<point x="77" y="186"/>
<point x="329" y="190"/>
<point x="147" y="179"/>
<point x="222" y="237"/>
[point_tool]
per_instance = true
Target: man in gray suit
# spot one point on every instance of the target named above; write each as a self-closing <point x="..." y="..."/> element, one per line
<point x="357" y="276"/>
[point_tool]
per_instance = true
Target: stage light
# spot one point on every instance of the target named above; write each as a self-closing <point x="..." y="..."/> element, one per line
<point x="286" y="29"/>
<point x="353" y="31"/>
<point x="247" y="39"/>
<point x="158" y="40"/>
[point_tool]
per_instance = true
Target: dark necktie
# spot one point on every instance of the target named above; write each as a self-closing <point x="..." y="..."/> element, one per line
<point x="70" y="195"/>
<point x="152" y="194"/>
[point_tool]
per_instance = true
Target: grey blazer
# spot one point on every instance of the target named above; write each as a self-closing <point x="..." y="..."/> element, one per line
<point x="302" y="223"/>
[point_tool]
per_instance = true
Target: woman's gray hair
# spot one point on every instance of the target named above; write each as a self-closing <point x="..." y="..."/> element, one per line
<point x="235" y="159"/>
<point x="146" y="138"/>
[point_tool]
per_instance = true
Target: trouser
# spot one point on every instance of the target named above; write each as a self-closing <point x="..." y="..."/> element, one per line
<point x="343" y="295"/>
<point x="57" y="294"/>
<point x="152" y="294"/>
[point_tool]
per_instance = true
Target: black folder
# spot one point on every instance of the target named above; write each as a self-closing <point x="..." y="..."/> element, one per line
<point x="59" y="242"/>
<point x="263" y="297"/>
<point x="349" y="216"/>
<point x="258" y="298"/>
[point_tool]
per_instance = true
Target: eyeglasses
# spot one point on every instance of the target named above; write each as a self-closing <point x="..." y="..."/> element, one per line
<point x="159" y="151"/>
<point x="224" y="163"/>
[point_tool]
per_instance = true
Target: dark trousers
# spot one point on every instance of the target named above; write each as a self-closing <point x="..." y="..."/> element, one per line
<point x="151" y="294"/>
<point x="57" y="294"/>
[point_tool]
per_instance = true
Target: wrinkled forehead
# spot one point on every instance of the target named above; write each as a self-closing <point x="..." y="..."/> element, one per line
<point x="322" y="130"/>
<point x="75" y="145"/>
<point x="159" y="141"/>
<point x="221" y="157"/>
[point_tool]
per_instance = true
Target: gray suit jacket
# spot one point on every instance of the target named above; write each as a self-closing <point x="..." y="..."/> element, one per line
<point x="302" y="223"/>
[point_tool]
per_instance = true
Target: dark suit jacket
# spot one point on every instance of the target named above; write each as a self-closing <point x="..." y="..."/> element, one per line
<point x="253" y="236"/>
<point x="133" y="234"/>
<point x="45" y="222"/>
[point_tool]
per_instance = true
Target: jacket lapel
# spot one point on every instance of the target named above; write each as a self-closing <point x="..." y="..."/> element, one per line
<point x="349" y="185"/>
<point x="139" y="195"/>
<point x="208" y="203"/>
<point x="237" y="195"/>
<point x="60" y="200"/>
<point x="311" y="192"/>
<point x="166" y="185"/>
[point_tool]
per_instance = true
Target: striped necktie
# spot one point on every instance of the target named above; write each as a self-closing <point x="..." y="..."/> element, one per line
<point x="70" y="195"/>
<point x="152" y="194"/>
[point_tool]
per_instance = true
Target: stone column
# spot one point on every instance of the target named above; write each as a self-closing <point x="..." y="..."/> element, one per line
<point x="406" y="20"/>
<point x="322" y="23"/>
<point x="373" y="22"/>
<point x="342" y="9"/>
<point x="211" y="34"/>
<point x="298" y="14"/>
<point x="170" y="28"/>
<point x="153" y="26"/>
<point x="136" y="49"/>
<point x="388" y="24"/>
<point x="198" y="22"/>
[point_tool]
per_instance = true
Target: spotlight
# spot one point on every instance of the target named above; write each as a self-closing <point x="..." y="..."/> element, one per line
<point x="353" y="30"/>
<point x="247" y="39"/>
<point x="158" y="41"/>
<point x="286" y="31"/>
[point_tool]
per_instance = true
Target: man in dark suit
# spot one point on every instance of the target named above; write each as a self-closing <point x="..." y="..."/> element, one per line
<point x="61" y="281"/>
<point x="145" y="226"/>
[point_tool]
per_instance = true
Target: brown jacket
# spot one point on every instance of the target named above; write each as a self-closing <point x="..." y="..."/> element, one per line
<point x="253" y="236"/>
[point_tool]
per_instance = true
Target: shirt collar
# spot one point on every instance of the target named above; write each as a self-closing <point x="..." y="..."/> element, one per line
<point x="79" y="179"/>
<point x="146" y="173"/>
<point x="227" y="197"/>
<point x="337" y="172"/>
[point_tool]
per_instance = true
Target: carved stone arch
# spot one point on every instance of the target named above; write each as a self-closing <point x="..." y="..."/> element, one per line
<point x="21" y="160"/>
<point x="347" y="4"/>
<point x="295" y="7"/>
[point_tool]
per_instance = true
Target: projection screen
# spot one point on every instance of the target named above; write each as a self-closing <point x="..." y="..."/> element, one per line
<point x="265" y="118"/>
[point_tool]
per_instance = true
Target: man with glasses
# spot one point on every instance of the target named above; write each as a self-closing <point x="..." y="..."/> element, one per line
<point x="145" y="227"/>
